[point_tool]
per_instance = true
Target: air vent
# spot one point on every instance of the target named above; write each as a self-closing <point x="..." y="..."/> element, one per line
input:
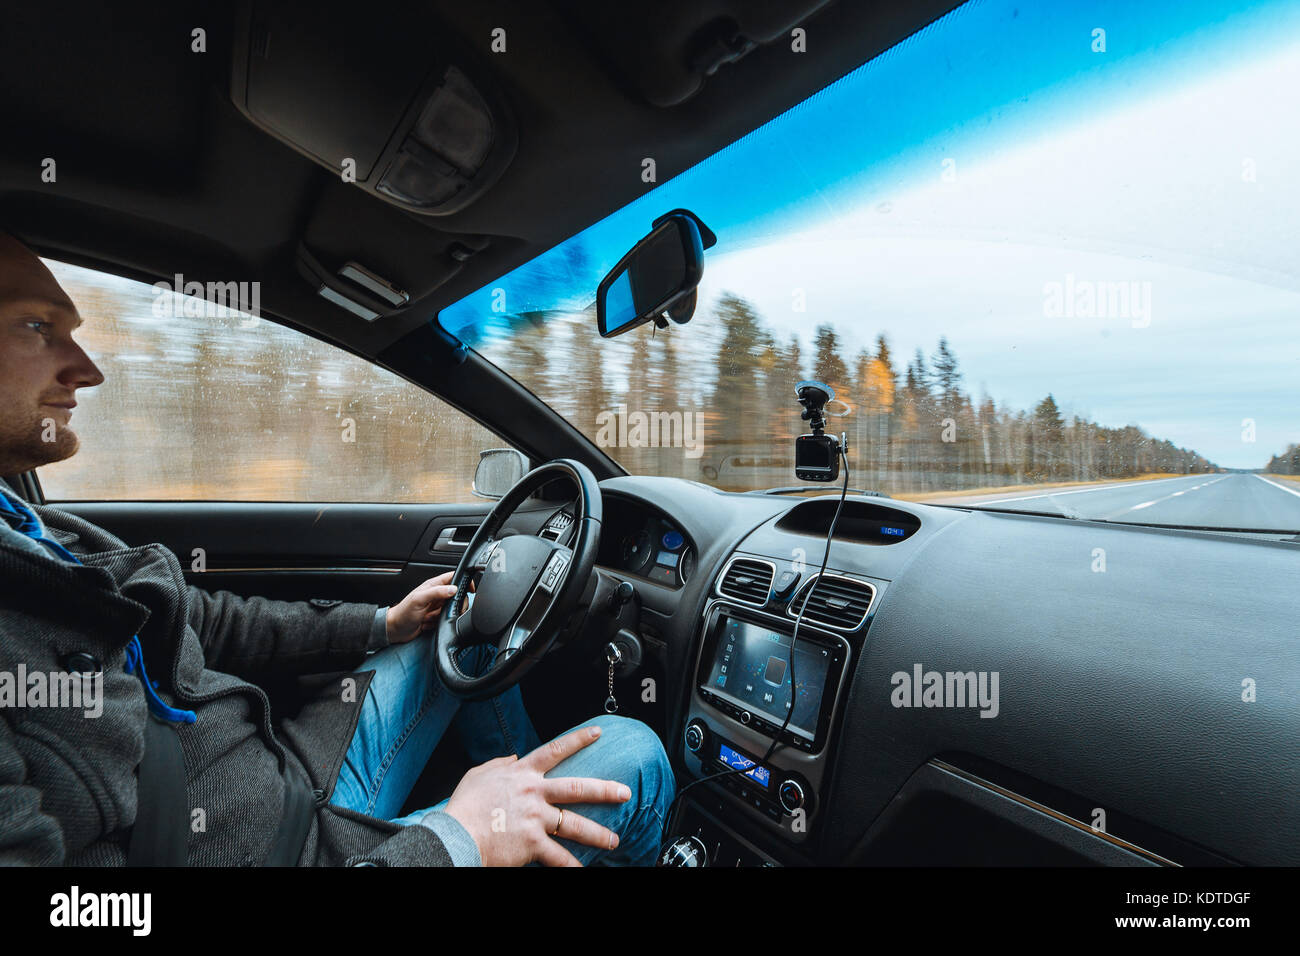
<point x="838" y="602"/>
<point x="747" y="581"/>
<point x="557" y="526"/>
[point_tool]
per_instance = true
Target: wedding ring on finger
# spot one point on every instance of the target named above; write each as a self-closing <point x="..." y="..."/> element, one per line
<point x="558" y="823"/>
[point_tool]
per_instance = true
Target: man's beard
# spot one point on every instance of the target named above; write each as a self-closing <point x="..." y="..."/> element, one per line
<point x="24" y="448"/>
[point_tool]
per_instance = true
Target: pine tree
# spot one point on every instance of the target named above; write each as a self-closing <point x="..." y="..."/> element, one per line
<point x="736" y="425"/>
<point x="1049" y="434"/>
<point x="828" y="366"/>
<point x="947" y="380"/>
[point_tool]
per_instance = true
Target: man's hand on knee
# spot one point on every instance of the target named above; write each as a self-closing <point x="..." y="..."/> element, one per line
<point x="510" y="808"/>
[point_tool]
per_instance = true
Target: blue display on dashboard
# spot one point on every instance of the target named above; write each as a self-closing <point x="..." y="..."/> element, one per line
<point x="760" y="775"/>
<point x="672" y="540"/>
<point x="893" y="532"/>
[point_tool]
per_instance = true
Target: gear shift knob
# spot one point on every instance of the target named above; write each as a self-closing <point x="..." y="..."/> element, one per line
<point x="685" y="851"/>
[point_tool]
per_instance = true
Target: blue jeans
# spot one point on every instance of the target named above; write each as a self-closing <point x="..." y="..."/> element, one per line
<point x="407" y="709"/>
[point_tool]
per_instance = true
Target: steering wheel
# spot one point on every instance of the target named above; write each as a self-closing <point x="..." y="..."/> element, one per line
<point x="527" y="588"/>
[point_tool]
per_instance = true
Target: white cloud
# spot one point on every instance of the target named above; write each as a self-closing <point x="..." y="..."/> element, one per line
<point x="1148" y="191"/>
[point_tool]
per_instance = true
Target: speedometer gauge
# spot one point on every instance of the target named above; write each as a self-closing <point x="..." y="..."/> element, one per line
<point x="636" y="551"/>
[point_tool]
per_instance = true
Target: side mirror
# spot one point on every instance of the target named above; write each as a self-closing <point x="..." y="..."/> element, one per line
<point x="499" y="470"/>
<point x="657" y="278"/>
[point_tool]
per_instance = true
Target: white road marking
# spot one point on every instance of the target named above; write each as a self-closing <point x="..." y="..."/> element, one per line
<point x="1080" y="491"/>
<point x="1148" y="504"/>
<point x="1289" y="491"/>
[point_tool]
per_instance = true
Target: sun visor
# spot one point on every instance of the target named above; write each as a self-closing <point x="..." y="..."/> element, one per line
<point x="668" y="49"/>
<point x="373" y="99"/>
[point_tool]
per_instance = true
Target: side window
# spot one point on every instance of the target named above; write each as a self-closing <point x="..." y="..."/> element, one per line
<point x="205" y="403"/>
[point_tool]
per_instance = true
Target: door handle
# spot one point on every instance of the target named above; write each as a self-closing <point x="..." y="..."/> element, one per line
<point x="447" y="539"/>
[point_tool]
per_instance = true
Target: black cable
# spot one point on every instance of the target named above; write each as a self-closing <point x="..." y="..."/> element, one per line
<point x="794" y="636"/>
<point x="830" y="536"/>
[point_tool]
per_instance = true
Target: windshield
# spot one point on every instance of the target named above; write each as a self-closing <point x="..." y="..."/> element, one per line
<point x="1046" y="257"/>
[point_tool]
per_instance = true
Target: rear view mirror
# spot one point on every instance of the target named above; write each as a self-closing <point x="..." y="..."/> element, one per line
<point x="499" y="470"/>
<point x="657" y="278"/>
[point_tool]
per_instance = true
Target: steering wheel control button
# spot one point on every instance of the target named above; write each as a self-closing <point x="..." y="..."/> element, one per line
<point x="554" y="568"/>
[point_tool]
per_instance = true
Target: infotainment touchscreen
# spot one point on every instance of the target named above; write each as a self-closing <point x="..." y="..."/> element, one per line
<point x="750" y="669"/>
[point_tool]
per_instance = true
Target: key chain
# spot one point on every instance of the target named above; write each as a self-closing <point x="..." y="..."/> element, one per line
<point x="613" y="655"/>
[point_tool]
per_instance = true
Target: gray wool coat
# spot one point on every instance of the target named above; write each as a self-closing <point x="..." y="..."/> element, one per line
<point x="67" y="781"/>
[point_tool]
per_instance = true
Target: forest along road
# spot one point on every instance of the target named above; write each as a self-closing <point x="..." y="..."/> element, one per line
<point x="1248" y="502"/>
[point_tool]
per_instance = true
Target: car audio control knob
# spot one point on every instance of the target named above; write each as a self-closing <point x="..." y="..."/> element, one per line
<point x="694" y="736"/>
<point x="791" y="796"/>
<point x="746" y="717"/>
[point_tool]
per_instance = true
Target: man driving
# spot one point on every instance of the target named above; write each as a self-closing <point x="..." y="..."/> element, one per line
<point x="177" y="670"/>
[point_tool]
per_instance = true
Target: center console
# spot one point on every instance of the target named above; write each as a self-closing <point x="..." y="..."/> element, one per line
<point x="744" y="685"/>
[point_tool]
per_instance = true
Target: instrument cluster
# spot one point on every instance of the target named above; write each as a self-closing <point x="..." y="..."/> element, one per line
<point x="647" y="545"/>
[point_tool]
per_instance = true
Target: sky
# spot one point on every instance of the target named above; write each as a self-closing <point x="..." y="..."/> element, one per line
<point x="961" y="183"/>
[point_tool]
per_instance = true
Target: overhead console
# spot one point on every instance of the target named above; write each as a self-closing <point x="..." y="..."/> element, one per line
<point x="383" y="100"/>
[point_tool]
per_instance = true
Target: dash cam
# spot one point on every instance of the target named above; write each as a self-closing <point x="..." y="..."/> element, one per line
<point x="816" y="456"/>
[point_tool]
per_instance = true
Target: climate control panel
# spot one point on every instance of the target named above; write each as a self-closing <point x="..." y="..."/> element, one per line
<point x="781" y="795"/>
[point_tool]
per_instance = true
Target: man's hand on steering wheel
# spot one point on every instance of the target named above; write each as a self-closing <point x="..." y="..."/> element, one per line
<point x="419" y="610"/>
<point x="510" y="808"/>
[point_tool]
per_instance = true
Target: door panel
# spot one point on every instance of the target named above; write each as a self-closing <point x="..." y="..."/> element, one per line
<point x="290" y="551"/>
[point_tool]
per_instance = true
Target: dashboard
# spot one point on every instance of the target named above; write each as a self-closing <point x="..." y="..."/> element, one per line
<point x="968" y="689"/>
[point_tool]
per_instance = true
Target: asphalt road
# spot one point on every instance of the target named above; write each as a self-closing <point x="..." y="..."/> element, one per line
<point x="1222" y="501"/>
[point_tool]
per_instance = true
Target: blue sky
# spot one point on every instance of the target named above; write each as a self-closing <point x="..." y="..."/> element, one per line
<point x="943" y="188"/>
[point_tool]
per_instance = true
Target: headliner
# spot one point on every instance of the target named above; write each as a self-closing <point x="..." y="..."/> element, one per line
<point x="159" y="173"/>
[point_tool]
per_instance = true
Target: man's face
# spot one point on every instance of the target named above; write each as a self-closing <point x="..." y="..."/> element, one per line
<point x="41" y="367"/>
